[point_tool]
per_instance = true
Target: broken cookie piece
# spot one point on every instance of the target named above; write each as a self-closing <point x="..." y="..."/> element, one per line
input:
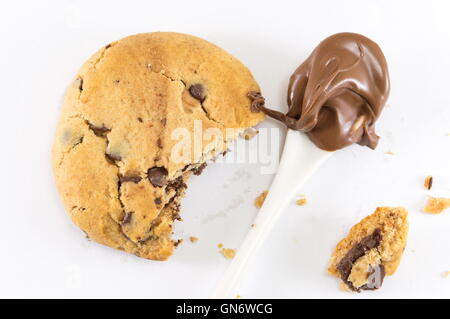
<point x="436" y="205"/>
<point x="371" y="250"/>
<point x="259" y="201"/>
<point x="428" y="183"/>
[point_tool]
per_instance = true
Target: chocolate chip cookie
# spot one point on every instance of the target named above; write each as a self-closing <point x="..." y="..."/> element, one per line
<point x="372" y="249"/>
<point x="125" y="144"/>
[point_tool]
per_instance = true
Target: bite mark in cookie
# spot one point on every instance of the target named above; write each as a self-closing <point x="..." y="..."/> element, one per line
<point x="112" y="151"/>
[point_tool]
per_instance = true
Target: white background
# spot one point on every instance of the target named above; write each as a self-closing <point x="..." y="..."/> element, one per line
<point x="42" y="254"/>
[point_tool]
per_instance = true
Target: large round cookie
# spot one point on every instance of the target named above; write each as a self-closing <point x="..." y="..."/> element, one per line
<point x="113" y="154"/>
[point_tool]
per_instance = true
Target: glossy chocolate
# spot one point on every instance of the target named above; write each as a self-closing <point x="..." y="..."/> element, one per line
<point x="338" y="93"/>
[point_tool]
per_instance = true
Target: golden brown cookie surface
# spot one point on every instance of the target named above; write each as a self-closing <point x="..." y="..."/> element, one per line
<point x="113" y="154"/>
<point x="372" y="249"/>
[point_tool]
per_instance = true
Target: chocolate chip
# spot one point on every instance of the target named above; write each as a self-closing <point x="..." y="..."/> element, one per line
<point x="80" y="84"/>
<point x="357" y="251"/>
<point x="158" y="201"/>
<point x="140" y="119"/>
<point x="197" y="171"/>
<point x="375" y="278"/>
<point x="126" y="218"/>
<point x="99" y="130"/>
<point x="157" y="176"/>
<point x="159" y="143"/>
<point x="163" y="121"/>
<point x="258" y="101"/>
<point x="108" y="46"/>
<point x="113" y="157"/>
<point x="197" y="91"/>
<point x="130" y="178"/>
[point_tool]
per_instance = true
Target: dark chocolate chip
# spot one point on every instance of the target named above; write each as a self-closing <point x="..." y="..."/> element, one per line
<point x="197" y="171"/>
<point x="159" y="143"/>
<point x="158" y="201"/>
<point x="197" y="91"/>
<point x="116" y="81"/>
<point x="163" y="121"/>
<point x="130" y="178"/>
<point x="357" y="251"/>
<point x="157" y="176"/>
<point x="113" y="157"/>
<point x="375" y="278"/>
<point x="80" y="84"/>
<point x="140" y="119"/>
<point x="99" y="130"/>
<point x="108" y="46"/>
<point x="126" y="218"/>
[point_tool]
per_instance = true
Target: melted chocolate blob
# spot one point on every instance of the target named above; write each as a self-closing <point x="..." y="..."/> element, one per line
<point x="338" y="93"/>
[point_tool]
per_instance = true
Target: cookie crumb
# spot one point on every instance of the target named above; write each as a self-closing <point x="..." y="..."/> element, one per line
<point x="193" y="239"/>
<point x="428" y="182"/>
<point x="301" y="201"/>
<point x="389" y="153"/>
<point x="259" y="201"/>
<point x="249" y="133"/>
<point x="220" y="245"/>
<point x="436" y="205"/>
<point x="446" y="274"/>
<point x="238" y="296"/>
<point x="228" y="253"/>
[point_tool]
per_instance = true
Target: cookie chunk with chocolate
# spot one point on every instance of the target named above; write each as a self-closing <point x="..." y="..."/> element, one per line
<point x="371" y="250"/>
<point x="141" y="116"/>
